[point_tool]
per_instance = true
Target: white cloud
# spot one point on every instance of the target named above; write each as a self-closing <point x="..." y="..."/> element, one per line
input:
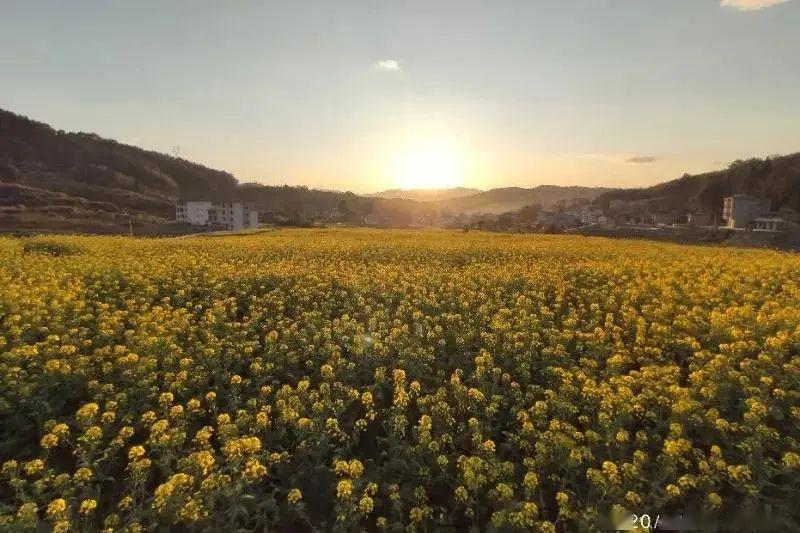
<point x="388" y="64"/>
<point x="751" y="5"/>
<point x="619" y="157"/>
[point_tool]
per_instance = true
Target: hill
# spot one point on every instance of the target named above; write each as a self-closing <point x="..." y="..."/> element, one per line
<point x="775" y="177"/>
<point x="513" y="198"/>
<point x="426" y="195"/>
<point x="59" y="181"/>
<point x="500" y="200"/>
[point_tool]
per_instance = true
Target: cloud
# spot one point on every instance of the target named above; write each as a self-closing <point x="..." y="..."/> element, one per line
<point x="641" y="159"/>
<point x="751" y="5"/>
<point x="619" y="157"/>
<point x="388" y="64"/>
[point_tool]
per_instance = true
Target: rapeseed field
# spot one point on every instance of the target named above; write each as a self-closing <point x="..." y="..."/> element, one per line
<point x="351" y="380"/>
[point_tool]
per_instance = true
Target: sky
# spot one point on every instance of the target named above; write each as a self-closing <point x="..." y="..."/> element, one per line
<point x="369" y="95"/>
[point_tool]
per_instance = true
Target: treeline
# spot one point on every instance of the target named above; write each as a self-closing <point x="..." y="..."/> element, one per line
<point x="775" y="177"/>
<point x="87" y="166"/>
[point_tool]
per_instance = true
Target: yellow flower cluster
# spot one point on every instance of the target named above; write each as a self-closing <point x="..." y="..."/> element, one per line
<point x="394" y="380"/>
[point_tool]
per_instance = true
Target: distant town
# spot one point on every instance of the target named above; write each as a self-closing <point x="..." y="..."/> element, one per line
<point x="739" y="213"/>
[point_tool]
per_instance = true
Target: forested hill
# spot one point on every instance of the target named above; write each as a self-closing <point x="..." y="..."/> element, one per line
<point x="512" y="198"/>
<point x="776" y="178"/>
<point x="56" y="180"/>
<point x="84" y="165"/>
<point x="426" y="195"/>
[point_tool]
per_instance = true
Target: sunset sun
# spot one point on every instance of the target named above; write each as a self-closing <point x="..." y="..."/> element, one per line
<point x="429" y="165"/>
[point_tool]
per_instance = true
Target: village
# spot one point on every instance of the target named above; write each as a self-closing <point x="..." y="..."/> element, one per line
<point x="741" y="217"/>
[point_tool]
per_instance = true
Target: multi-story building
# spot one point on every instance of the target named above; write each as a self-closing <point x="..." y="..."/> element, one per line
<point x="195" y="213"/>
<point x="740" y="210"/>
<point x="227" y="215"/>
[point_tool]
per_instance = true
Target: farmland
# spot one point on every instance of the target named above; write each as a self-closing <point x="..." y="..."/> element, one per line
<point x="394" y="380"/>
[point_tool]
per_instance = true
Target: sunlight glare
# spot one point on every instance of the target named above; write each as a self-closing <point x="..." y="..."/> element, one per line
<point x="429" y="165"/>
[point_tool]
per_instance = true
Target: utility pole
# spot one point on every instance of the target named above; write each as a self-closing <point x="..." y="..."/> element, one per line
<point x="130" y="223"/>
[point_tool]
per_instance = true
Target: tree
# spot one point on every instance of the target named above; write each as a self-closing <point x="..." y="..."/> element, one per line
<point x="344" y="209"/>
<point x="530" y="212"/>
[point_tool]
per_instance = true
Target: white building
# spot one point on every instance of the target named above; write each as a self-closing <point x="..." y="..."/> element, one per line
<point x="195" y="213"/>
<point x="227" y="215"/>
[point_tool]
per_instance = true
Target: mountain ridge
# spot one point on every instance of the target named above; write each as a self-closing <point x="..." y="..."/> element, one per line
<point x="55" y="180"/>
<point x="503" y="199"/>
<point x="425" y="195"/>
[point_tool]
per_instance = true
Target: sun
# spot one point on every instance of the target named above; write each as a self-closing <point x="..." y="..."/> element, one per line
<point x="429" y="165"/>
